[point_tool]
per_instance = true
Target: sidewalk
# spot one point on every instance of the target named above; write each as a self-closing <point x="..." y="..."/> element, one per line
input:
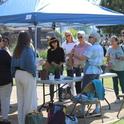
<point x="109" y="115"/>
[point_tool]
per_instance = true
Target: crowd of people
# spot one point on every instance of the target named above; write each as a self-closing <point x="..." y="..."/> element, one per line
<point x="82" y="56"/>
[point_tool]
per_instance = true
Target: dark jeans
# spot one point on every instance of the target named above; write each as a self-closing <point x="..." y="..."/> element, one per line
<point x="70" y="72"/>
<point x="57" y="75"/>
<point x="116" y="81"/>
<point x="88" y="78"/>
<point x="52" y="92"/>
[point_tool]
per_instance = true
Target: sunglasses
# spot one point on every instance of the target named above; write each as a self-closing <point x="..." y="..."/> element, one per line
<point x="80" y="37"/>
<point x="4" y="40"/>
<point x="90" y="37"/>
<point x="68" y="35"/>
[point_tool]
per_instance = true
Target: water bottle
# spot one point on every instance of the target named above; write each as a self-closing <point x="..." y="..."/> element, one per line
<point x="51" y="76"/>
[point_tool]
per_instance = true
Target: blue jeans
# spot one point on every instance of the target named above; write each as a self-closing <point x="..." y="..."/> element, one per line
<point x="116" y="81"/>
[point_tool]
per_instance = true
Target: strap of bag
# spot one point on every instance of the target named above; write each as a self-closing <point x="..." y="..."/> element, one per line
<point x="71" y="117"/>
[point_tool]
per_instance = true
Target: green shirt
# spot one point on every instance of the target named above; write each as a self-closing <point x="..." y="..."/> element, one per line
<point x="114" y="53"/>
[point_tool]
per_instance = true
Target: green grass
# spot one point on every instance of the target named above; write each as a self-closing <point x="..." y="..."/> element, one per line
<point x="108" y="83"/>
<point x="119" y="122"/>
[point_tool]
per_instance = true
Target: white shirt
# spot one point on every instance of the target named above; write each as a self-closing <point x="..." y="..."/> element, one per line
<point x="68" y="46"/>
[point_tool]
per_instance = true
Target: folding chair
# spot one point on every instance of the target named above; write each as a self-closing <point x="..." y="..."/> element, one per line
<point x="96" y="88"/>
<point x="121" y="106"/>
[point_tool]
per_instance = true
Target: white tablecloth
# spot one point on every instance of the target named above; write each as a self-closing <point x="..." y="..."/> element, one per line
<point x="108" y="75"/>
<point x="65" y="79"/>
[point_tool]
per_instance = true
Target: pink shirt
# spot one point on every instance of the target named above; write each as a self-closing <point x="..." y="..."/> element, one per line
<point x="79" y="50"/>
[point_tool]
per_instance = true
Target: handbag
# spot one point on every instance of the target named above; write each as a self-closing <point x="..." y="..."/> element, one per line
<point x="34" y="118"/>
<point x="71" y="119"/>
<point x="56" y="114"/>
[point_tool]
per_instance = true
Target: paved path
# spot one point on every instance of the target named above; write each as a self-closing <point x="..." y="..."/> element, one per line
<point x="109" y="115"/>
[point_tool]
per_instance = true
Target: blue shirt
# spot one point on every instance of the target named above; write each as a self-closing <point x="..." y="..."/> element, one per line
<point x="27" y="61"/>
<point x="95" y="57"/>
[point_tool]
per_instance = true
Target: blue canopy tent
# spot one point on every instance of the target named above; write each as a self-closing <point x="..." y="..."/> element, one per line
<point x="35" y="12"/>
<point x="39" y="11"/>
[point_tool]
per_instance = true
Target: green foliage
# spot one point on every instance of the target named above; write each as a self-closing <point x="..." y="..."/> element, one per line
<point x="116" y="5"/>
<point x="112" y="29"/>
<point x="74" y="32"/>
<point x="43" y="54"/>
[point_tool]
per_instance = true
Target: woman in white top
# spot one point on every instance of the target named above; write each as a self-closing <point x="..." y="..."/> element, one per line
<point x="68" y="45"/>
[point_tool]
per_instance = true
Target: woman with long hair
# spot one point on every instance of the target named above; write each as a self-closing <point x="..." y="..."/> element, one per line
<point x="24" y="70"/>
<point x="68" y="45"/>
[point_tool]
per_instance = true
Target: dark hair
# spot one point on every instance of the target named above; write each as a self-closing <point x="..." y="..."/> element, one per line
<point x="24" y="40"/>
<point x="6" y="39"/>
<point x="52" y="40"/>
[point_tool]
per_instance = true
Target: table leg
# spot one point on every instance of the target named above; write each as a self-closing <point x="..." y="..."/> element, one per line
<point x="44" y="102"/>
<point x="120" y="109"/>
<point x="43" y="98"/>
<point x="109" y="106"/>
<point x="105" y="98"/>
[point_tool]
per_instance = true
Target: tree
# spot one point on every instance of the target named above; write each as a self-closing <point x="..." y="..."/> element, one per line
<point x="116" y="5"/>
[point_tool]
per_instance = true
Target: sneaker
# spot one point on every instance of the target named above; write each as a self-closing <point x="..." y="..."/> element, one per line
<point x="117" y="100"/>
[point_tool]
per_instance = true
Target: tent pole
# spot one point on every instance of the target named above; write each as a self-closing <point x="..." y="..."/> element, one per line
<point x="35" y="38"/>
<point x="61" y="33"/>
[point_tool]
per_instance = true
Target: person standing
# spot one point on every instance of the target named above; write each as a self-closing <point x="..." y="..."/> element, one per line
<point x="56" y="58"/>
<point x="23" y="68"/>
<point x="78" y="64"/>
<point x="68" y="45"/>
<point x="93" y="56"/>
<point x="5" y="79"/>
<point x="115" y="60"/>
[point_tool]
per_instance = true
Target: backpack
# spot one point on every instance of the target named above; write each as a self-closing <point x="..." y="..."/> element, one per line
<point x="56" y="114"/>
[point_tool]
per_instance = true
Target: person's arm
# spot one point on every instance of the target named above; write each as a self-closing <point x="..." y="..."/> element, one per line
<point x="121" y="58"/>
<point x="82" y="58"/>
<point x="62" y="56"/>
<point x="108" y="56"/>
<point x="29" y="61"/>
<point x="13" y="68"/>
<point x="49" y="59"/>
